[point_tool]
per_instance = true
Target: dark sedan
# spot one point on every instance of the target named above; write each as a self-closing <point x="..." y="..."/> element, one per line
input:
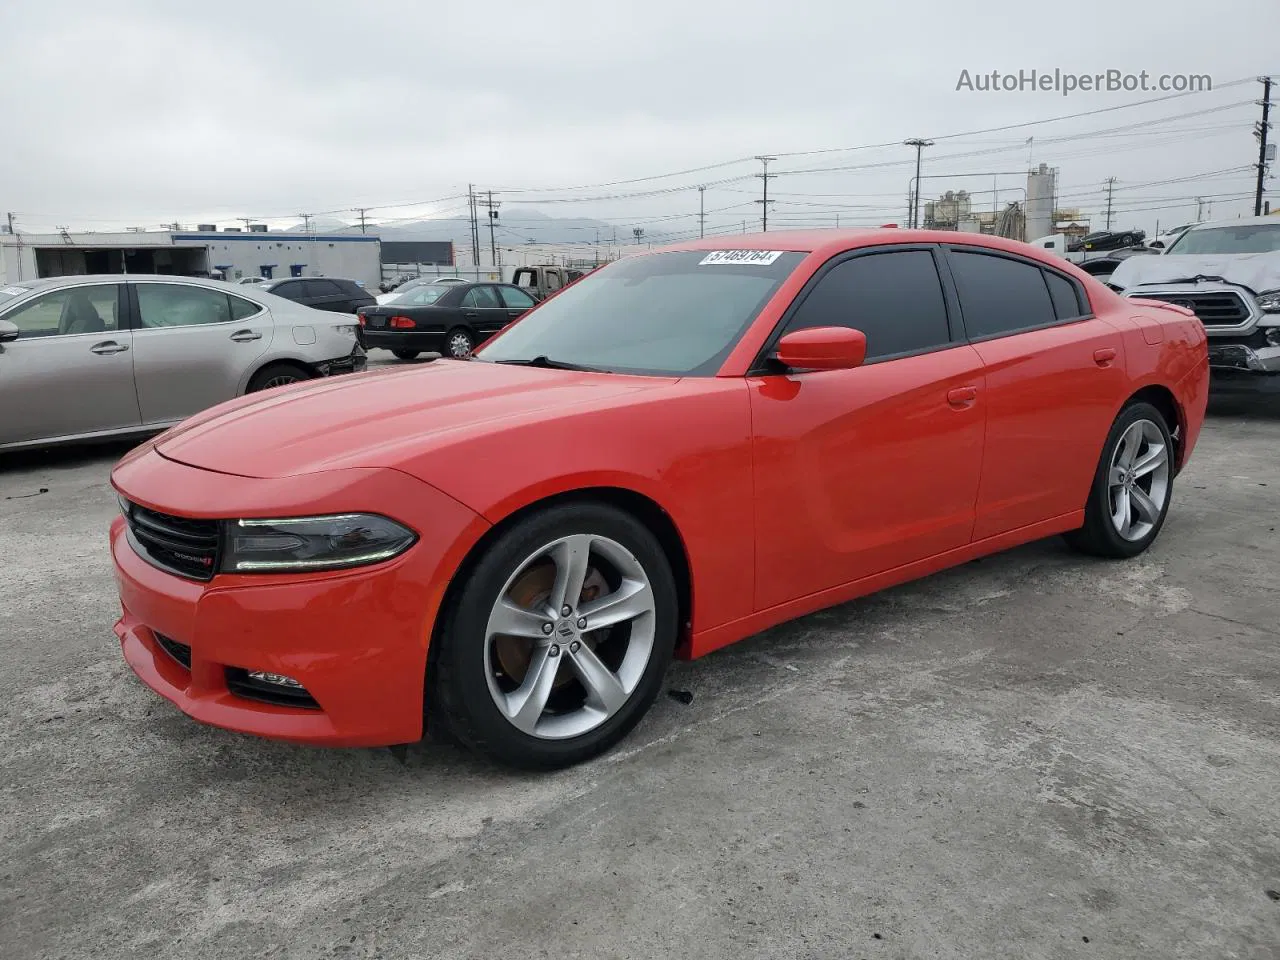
<point x="447" y="318"/>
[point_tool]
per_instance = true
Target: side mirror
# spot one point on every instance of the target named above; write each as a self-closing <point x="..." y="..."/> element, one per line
<point x="8" y="331"/>
<point x="823" y="348"/>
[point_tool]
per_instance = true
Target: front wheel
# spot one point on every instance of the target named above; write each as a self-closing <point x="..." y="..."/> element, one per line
<point x="557" y="643"/>
<point x="1132" y="487"/>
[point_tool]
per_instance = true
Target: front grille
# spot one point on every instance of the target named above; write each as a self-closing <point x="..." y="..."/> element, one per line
<point x="242" y="685"/>
<point x="1219" y="309"/>
<point x="180" y="545"/>
<point x="179" y="651"/>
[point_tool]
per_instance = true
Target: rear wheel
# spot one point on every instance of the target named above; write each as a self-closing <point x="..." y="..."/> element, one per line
<point x="406" y="354"/>
<point x="277" y="375"/>
<point x="461" y="342"/>
<point x="1132" y="486"/>
<point x="556" y="645"/>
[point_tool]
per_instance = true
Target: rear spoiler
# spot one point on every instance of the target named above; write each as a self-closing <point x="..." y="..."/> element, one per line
<point x="1163" y="305"/>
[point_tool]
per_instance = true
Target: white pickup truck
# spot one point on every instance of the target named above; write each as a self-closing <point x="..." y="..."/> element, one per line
<point x="1228" y="272"/>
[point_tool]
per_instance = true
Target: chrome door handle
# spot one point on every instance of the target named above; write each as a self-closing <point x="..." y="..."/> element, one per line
<point x="244" y="336"/>
<point x="108" y="347"/>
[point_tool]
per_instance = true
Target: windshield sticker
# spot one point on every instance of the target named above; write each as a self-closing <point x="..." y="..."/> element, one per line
<point x="14" y="291"/>
<point x="762" y="257"/>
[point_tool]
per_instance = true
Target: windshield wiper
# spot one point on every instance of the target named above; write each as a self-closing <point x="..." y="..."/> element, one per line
<point x="542" y="360"/>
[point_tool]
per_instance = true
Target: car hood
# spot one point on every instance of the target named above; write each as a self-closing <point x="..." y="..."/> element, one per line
<point x="1255" y="271"/>
<point x="378" y="419"/>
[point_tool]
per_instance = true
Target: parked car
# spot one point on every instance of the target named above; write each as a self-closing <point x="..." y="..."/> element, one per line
<point x="1108" y="240"/>
<point x="104" y="356"/>
<point x="414" y="284"/>
<point x="684" y="448"/>
<point x="249" y="280"/>
<point x="1167" y="238"/>
<point x="1228" y="272"/>
<point x="451" y="318"/>
<point x="321" y="293"/>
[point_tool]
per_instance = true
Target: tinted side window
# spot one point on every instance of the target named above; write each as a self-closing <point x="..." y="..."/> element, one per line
<point x="171" y="305"/>
<point x="65" y="312"/>
<point x="1066" y="300"/>
<point x="894" y="298"/>
<point x="516" y="299"/>
<point x="290" y="291"/>
<point x="481" y="297"/>
<point x="240" y="309"/>
<point x="323" y="288"/>
<point x="999" y="295"/>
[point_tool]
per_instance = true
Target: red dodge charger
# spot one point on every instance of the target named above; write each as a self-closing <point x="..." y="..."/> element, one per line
<point x="682" y="449"/>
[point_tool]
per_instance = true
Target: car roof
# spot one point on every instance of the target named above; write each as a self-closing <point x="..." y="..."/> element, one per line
<point x="1271" y="220"/>
<point x="51" y="283"/>
<point x="829" y="242"/>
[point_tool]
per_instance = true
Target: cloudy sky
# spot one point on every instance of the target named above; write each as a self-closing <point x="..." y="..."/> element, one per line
<point x="135" y="113"/>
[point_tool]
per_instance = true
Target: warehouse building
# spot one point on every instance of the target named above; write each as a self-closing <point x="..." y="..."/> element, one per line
<point x="229" y="254"/>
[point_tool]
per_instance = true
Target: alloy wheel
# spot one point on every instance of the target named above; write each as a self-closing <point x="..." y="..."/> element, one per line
<point x="569" y="637"/>
<point x="1138" y="480"/>
<point x="460" y="345"/>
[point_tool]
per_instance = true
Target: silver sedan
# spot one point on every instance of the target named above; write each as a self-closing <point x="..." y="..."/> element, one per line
<point x="102" y="356"/>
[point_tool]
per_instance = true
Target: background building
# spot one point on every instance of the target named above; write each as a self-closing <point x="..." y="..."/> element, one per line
<point x="231" y="253"/>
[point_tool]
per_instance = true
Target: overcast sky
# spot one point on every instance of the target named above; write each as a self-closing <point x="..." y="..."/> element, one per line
<point x="131" y="113"/>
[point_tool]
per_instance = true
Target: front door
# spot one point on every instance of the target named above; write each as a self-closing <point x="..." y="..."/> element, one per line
<point x="1055" y="376"/>
<point x="70" y="372"/>
<point x="860" y="471"/>
<point x="194" y="347"/>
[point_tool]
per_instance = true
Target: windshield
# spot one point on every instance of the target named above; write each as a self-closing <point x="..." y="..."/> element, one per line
<point x="419" y="296"/>
<point x="1245" y="238"/>
<point x="9" y="293"/>
<point x="662" y="314"/>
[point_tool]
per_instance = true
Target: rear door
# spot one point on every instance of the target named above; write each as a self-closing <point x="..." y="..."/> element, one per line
<point x="70" y="371"/>
<point x="193" y="346"/>
<point x="483" y="311"/>
<point x="1055" y="376"/>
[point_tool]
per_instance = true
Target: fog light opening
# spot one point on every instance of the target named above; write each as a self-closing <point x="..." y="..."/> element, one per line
<point x="276" y="679"/>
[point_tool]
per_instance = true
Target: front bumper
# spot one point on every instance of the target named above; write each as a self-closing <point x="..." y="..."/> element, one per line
<point x="356" y="640"/>
<point x="1244" y="356"/>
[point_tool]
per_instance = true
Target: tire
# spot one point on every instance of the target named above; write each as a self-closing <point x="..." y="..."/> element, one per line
<point x="406" y="354"/>
<point x="277" y="375"/>
<point x="477" y="678"/>
<point x="1119" y="519"/>
<point x="460" y="343"/>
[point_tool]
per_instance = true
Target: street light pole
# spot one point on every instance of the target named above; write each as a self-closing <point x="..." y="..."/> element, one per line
<point x="915" y="203"/>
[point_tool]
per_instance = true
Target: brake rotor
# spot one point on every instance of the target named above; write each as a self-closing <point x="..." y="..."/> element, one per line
<point x="532" y="590"/>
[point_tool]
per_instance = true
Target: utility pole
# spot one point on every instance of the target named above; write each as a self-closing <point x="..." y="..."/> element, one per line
<point x="362" y="211"/>
<point x="306" y="222"/>
<point x="10" y="216"/>
<point x="915" y="200"/>
<point x="1260" y="131"/>
<point x="765" y="177"/>
<point x="637" y="232"/>
<point x="1111" y="185"/>
<point x="492" y="208"/>
<point x="475" y="225"/>
<point x="702" y="215"/>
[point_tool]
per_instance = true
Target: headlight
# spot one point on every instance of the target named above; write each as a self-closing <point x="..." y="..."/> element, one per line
<point x="1269" y="302"/>
<point x="295" y="544"/>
